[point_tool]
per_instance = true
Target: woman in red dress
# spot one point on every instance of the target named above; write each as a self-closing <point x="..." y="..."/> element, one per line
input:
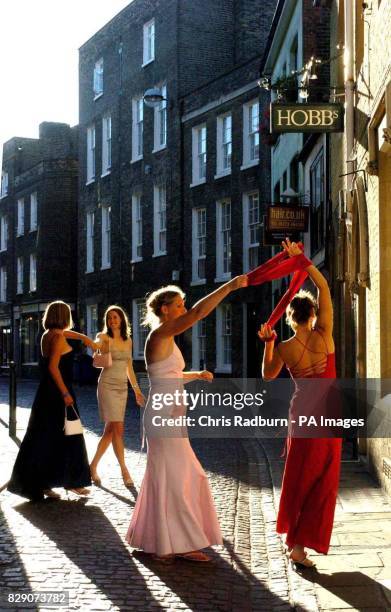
<point x="311" y="474"/>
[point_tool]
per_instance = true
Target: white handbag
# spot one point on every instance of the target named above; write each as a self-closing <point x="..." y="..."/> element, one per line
<point x="72" y="428"/>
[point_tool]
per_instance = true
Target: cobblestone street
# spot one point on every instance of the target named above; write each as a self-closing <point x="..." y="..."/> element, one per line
<point x="78" y="545"/>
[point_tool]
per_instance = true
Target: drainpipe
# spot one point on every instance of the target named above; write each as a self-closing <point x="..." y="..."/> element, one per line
<point x="349" y="89"/>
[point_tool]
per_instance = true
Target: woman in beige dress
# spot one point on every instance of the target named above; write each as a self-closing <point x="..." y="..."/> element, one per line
<point x="113" y="388"/>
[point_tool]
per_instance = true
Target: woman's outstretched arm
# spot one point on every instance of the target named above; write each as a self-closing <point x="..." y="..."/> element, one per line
<point x="324" y="318"/>
<point x="201" y="309"/>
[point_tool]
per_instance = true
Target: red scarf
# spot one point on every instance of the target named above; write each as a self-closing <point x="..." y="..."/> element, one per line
<point x="278" y="266"/>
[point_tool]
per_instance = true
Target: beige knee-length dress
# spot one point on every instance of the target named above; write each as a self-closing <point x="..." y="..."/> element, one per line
<point x="113" y="387"/>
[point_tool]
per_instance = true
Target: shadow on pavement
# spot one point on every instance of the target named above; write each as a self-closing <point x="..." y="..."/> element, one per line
<point x="13" y="578"/>
<point x="356" y="589"/>
<point x="88" y="539"/>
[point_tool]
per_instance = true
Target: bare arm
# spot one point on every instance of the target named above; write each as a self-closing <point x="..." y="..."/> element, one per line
<point x="57" y="348"/>
<point x="72" y="335"/>
<point x="272" y="362"/>
<point x="201" y="309"/>
<point x="133" y="380"/>
<point x="325" y="306"/>
<point x="197" y="375"/>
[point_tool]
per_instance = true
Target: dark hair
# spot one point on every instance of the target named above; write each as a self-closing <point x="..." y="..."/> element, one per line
<point x="57" y="315"/>
<point x="301" y="308"/>
<point x="157" y="299"/>
<point x="125" y="330"/>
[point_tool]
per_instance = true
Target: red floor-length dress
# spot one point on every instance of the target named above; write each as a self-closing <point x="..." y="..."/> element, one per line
<point x="311" y="474"/>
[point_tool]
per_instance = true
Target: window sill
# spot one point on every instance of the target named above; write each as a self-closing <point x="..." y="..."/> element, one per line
<point x="223" y="369"/>
<point x="32" y="230"/>
<point x="159" y="254"/>
<point x="106" y="267"/>
<point x="138" y="358"/>
<point x="30" y="363"/>
<point x="3" y="250"/>
<point x="5" y="195"/>
<point x="147" y="62"/>
<point x="200" y="281"/>
<point x="97" y="96"/>
<point x="223" y="173"/>
<point x="136" y="159"/>
<point x="89" y="271"/>
<point x="161" y="148"/>
<point x="136" y="260"/>
<point x="223" y="279"/>
<point x="107" y="173"/>
<point x="90" y="181"/>
<point x="19" y="234"/>
<point x="19" y="292"/>
<point x="200" y="182"/>
<point x="250" y="164"/>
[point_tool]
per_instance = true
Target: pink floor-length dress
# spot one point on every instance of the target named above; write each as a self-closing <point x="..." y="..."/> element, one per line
<point x="174" y="512"/>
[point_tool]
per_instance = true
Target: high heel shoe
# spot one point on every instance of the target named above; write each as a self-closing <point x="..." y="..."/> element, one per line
<point x="127" y="479"/>
<point x="80" y="491"/>
<point x="95" y="478"/>
<point x="305" y="562"/>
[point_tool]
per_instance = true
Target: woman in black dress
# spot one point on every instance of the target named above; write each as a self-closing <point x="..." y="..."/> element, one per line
<point x="47" y="457"/>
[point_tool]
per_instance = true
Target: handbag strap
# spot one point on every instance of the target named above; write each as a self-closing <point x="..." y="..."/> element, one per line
<point x="74" y="410"/>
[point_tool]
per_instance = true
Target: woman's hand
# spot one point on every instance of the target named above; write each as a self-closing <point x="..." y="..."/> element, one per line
<point x="292" y="248"/>
<point x="266" y="333"/>
<point x="206" y="375"/>
<point x="140" y="399"/>
<point x="92" y="345"/>
<point x="238" y="282"/>
<point x="68" y="399"/>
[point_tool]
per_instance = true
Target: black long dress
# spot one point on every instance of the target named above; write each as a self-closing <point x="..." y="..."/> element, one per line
<point x="47" y="457"/>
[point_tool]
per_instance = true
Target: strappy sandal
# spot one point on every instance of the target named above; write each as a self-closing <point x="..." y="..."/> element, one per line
<point x="127" y="480"/>
<point x="95" y="478"/>
<point x="305" y="562"/>
<point x="196" y="556"/>
<point x="80" y="491"/>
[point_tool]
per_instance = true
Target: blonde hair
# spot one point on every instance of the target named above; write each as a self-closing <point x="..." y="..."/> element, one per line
<point x="57" y="315"/>
<point x="125" y="330"/>
<point x="163" y="296"/>
<point x="301" y="308"/>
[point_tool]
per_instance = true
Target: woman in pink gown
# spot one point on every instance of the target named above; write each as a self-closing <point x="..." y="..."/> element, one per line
<point x="174" y="513"/>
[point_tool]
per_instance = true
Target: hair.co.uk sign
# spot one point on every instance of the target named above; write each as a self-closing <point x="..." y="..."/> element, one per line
<point x="306" y="118"/>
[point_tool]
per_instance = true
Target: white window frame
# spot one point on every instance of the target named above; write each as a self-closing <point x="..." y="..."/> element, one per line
<point x="91" y="161"/>
<point x="248" y="243"/>
<point x="159" y="220"/>
<point x="33" y="272"/>
<point x="4" y="184"/>
<point x="199" y="142"/>
<point x="139" y="331"/>
<point x="4" y="233"/>
<point x="223" y="146"/>
<point x="198" y="244"/>
<point x="248" y="135"/>
<point x="106" y="237"/>
<point x="92" y="322"/>
<point x="3" y="284"/>
<point x="106" y="145"/>
<point x="137" y="228"/>
<point x="98" y="79"/>
<point x="33" y="212"/>
<point x="137" y="128"/>
<point x="221" y="274"/>
<point x="19" y="275"/>
<point x="20" y="220"/>
<point x="160" y="123"/>
<point x="198" y="345"/>
<point x="148" y="42"/>
<point x="90" y="239"/>
<point x="222" y="365"/>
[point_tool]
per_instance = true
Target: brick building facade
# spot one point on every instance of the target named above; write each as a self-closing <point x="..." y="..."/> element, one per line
<point x="136" y="162"/>
<point x="38" y="251"/>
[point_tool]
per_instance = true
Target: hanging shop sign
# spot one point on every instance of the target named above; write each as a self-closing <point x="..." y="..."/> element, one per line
<point x="282" y="221"/>
<point x="306" y="118"/>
